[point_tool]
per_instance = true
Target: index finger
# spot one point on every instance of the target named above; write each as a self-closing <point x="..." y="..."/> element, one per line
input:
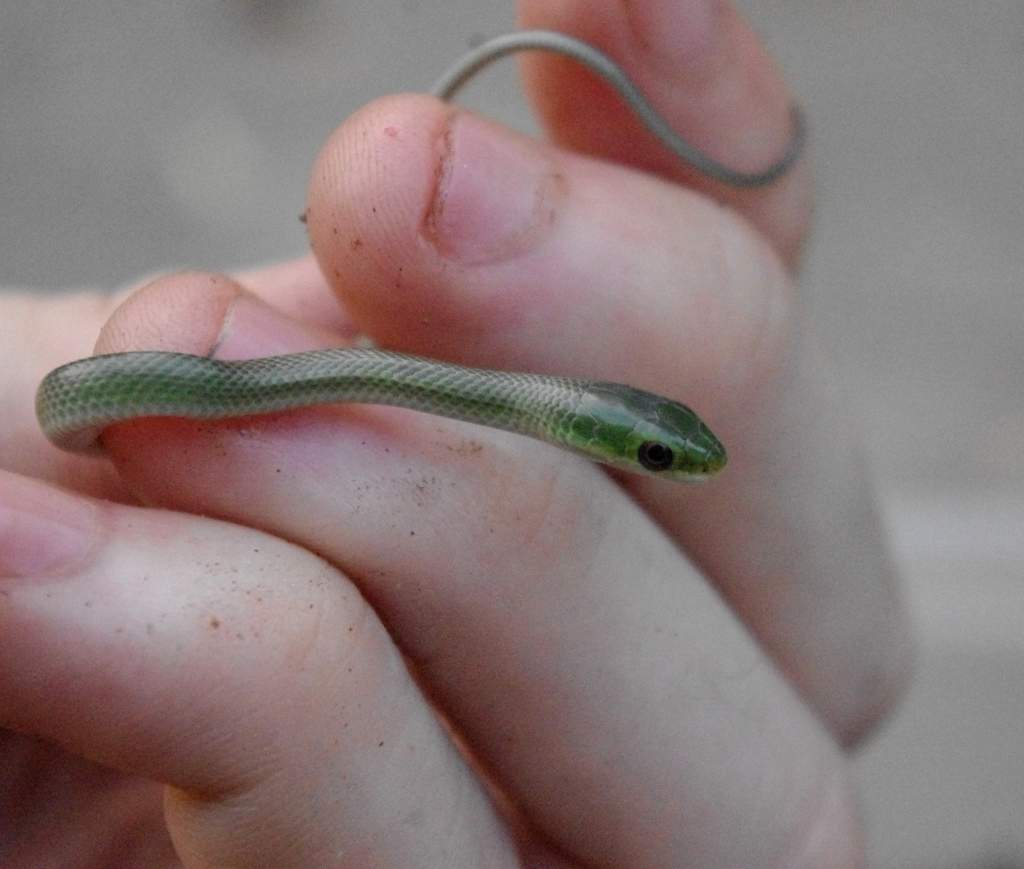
<point x="705" y="71"/>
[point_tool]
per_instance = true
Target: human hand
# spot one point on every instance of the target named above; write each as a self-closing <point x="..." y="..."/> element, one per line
<point x="579" y="635"/>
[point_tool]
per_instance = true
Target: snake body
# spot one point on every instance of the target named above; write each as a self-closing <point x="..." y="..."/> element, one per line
<point x="607" y="422"/>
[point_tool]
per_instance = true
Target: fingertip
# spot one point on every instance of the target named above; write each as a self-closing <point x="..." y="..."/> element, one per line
<point x="183" y="312"/>
<point x="706" y="71"/>
<point x="700" y="60"/>
<point x="424" y="218"/>
<point x="369" y="195"/>
<point x="207" y="313"/>
<point x="372" y="183"/>
<point x="199" y="313"/>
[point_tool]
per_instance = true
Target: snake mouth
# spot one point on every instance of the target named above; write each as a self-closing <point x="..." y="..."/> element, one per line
<point x="708" y="451"/>
<point x="716" y="461"/>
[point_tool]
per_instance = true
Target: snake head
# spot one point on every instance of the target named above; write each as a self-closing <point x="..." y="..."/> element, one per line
<point x="645" y="433"/>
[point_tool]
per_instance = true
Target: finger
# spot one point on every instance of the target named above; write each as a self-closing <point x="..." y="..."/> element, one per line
<point x="705" y="70"/>
<point x="584" y="661"/>
<point x="40" y="331"/>
<point x="486" y="248"/>
<point x="240" y="670"/>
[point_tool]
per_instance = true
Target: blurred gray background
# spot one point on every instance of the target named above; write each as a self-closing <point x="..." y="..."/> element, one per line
<point x="142" y="135"/>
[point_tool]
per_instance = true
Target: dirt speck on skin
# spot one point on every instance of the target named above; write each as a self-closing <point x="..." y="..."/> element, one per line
<point x="422" y="489"/>
<point x="464" y="447"/>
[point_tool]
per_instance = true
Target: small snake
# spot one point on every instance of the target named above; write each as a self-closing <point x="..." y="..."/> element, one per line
<point x="607" y="422"/>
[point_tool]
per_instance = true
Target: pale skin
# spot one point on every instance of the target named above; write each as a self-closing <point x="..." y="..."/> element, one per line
<point x="300" y="641"/>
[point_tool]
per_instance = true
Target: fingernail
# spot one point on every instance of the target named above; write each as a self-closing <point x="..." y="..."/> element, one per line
<point x="496" y="192"/>
<point x="43" y="531"/>
<point x="678" y="35"/>
<point x="253" y="328"/>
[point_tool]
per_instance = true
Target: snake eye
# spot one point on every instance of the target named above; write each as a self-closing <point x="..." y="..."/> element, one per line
<point x="654" y="456"/>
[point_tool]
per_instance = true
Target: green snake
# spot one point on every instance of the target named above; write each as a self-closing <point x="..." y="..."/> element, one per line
<point x="610" y="423"/>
